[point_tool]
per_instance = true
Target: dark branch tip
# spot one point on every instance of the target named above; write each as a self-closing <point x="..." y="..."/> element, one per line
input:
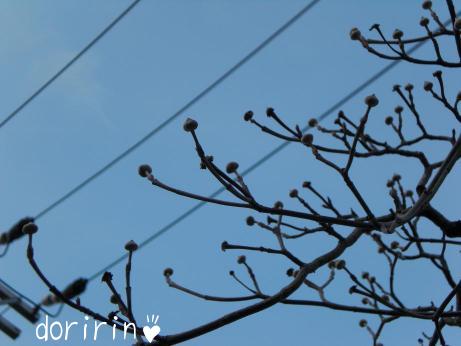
<point x="144" y="170"/>
<point x="190" y="125"/>
<point x="131" y="246"/>
<point x="371" y="100"/>
<point x="30" y="228"/>
<point x="168" y="272"/>
<point x="232" y="167"/>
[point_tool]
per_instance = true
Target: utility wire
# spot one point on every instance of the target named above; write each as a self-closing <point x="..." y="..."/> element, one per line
<point x="189" y="104"/>
<point x="69" y="64"/>
<point x="262" y="160"/>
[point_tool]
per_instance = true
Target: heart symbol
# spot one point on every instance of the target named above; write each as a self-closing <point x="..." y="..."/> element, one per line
<point x="151" y="332"/>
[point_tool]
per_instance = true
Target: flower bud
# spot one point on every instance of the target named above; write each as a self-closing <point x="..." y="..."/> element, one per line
<point x="398" y="109"/>
<point x="313" y="122"/>
<point x="355" y="34"/>
<point x="241" y="259"/>
<point x="363" y="323"/>
<point x="365" y="275"/>
<point x="398" y="34"/>
<point x="428" y="86"/>
<point x="395" y="245"/>
<point x="168" y="272"/>
<point x="341" y="264"/>
<point x="224" y="246"/>
<point x="290" y="272"/>
<point x="388" y="120"/>
<point x="248" y="116"/>
<point x="437" y="74"/>
<point x="294" y="193"/>
<point x="250" y="220"/>
<point x="307" y="139"/>
<point x="307" y="184"/>
<point x="144" y="170"/>
<point x="30" y="228"/>
<point x="232" y="167"/>
<point x="131" y="246"/>
<point x="396" y="177"/>
<point x="424" y="21"/>
<point x="270" y="112"/>
<point x="278" y="205"/>
<point x="427" y="4"/>
<point x="190" y="125"/>
<point x="409" y="87"/>
<point x="371" y="101"/>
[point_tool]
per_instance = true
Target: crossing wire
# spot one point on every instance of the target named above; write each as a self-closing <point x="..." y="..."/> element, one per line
<point x="63" y="69"/>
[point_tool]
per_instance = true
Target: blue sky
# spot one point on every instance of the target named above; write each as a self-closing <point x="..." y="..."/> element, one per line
<point x="153" y="62"/>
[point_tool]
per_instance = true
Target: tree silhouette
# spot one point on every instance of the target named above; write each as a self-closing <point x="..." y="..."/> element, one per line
<point x="396" y="234"/>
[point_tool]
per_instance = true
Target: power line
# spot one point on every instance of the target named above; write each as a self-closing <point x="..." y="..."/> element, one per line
<point x="262" y="160"/>
<point x="69" y="64"/>
<point x="189" y="104"/>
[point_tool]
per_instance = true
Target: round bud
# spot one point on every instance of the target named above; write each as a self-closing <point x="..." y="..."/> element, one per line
<point x="365" y="301"/>
<point x="290" y="272"/>
<point x="390" y="183"/>
<point x="294" y="193"/>
<point x="427" y="4"/>
<point x="388" y="120"/>
<point x="424" y="21"/>
<point x="409" y="193"/>
<point x="437" y="74"/>
<point x="458" y="23"/>
<point x="396" y="87"/>
<point x="352" y="289"/>
<point x="168" y="272"/>
<point x="270" y="112"/>
<point x="307" y="184"/>
<point x="248" y="116"/>
<point x="398" y="34"/>
<point x="385" y="297"/>
<point x="371" y="101"/>
<point x="30" y="228"/>
<point x="231" y="272"/>
<point x="365" y="275"/>
<point x="224" y="246"/>
<point x="458" y="97"/>
<point x="113" y="299"/>
<point x="307" y="139"/>
<point x="312" y="122"/>
<point x="332" y="264"/>
<point x="144" y="170"/>
<point x="409" y="87"/>
<point x="355" y="34"/>
<point x="395" y="245"/>
<point x="232" y="167"/>
<point x="363" y="323"/>
<point x="428" y="86"/>
<point x="250" y="220"/>
<point x="241" y="259"/>
<point x="341" y="264"/>
<point x="396" y="177"/>
<point x="131" y="246"/>
<point x="278" y="205"/>
<point x="398" y="109"/>
<point x="190" y="125"/>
